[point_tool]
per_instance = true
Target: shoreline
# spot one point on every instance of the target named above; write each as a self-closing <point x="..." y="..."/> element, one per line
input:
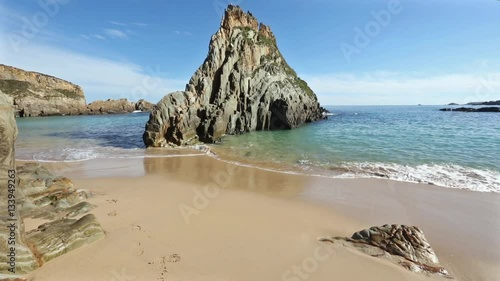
<point x="458" y="223"/>
<point x="365" y="170"/>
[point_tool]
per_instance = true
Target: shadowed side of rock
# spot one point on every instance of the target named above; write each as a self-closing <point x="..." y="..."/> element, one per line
<point x="243" y="85"/>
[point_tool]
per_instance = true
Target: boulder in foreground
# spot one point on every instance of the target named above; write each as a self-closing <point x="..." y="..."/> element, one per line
<point x="405" y="245"/>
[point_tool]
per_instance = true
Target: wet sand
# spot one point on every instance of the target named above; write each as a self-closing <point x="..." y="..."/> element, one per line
<point x="198" y="218"/>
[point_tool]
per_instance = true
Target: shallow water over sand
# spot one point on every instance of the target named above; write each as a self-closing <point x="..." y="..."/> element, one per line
<point x="405" y="143"/>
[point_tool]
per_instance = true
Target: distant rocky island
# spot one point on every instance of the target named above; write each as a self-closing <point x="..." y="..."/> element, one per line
<point x="480" y="103"/>
<point x="36" y="94"/>
<point x="243" y="85"/>
<point x="485" y="103"/>
<point x="471" y="109"/>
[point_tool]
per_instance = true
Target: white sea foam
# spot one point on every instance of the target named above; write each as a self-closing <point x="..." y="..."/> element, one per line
<point x="450" y="176"/>
<point x="447" y="176"/>
<point x="90" y="153"/>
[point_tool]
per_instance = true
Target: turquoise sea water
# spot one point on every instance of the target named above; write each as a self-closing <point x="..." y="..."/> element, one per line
<point x="407" y="143"/>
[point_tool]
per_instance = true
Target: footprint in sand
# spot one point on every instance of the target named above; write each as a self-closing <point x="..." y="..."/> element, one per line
<point x="137" y="249"/>
<point x="162" y="264"/>
<point x="135" y="227"/>
<point x="112" y="214"/>
<point x="112" y="201"/>
<point x="173" y="258"/>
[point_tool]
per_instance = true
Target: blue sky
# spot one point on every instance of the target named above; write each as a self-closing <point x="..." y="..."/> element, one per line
<point x="349" y="51"/>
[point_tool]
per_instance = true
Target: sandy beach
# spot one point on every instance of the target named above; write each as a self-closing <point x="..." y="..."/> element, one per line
<point x="198" y="218"/>
<point x="257" y="140"/>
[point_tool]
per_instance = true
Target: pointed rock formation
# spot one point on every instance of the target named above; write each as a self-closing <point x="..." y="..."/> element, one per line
<point x="244" y="85"/>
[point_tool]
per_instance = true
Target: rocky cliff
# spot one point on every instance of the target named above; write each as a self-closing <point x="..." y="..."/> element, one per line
<point x="36" y="94"/>
<point x="244" y="85"/>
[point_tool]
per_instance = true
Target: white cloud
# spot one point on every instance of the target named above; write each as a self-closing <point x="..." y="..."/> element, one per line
<point x="117" y="23"/>
<point x="115" y="33"/>
<point x="385" y="88"/>
<point x="187" y="33"/>
<point x="100" y="37"/>
<point x="100" y="78"/>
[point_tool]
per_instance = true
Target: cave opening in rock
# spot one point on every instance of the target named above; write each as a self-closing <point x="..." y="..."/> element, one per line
<point x="278" y="120"/>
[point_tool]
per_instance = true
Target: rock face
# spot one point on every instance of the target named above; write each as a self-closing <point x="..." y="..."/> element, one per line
<point x="61" y="236"/>
<point x="470" y="109"/>
<point x="36" y="94"/>
<point x="42" y="195"/>
<point x="25" y="260"/>
<point x="8" y="133"/>
<point x="244" y="85"/>
<point x="406" y="241"/>
<point x="37" y="194"/>
<point x="403" y="244"/>
<point x="119" y="106"/>
<point x="110" y="106"/>
<point x="144" y="105"/>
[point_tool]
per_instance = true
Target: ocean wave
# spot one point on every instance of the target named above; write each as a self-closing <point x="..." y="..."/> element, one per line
<point x="448" y="175"/>
<point x="90" y="153"/>
<point x="445" y="176"/>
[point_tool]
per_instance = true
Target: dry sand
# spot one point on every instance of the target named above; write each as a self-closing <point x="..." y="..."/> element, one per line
<point x="240" y="223"/>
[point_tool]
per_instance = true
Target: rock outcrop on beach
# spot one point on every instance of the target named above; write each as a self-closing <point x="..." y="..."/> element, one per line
<point x="36" y="193"/>
<point x="244" y="85"/>
<point x="8" y="133"/>
<point x="37" y="94"/>
<point x="404" y="245"/>
<point x="470" y="109"/>
<point x="24" y="258"/>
